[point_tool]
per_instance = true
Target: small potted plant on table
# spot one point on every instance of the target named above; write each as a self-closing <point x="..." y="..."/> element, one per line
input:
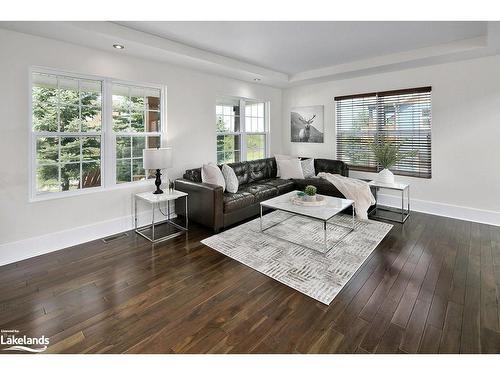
<point x="310" y="193"/>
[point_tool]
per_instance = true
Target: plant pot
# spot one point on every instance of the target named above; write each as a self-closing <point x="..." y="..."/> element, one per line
<point x="385" y="176"/>
<point x="309" y="198"/>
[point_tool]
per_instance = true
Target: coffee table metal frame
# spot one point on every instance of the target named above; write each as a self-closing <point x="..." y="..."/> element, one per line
<point x="325" y="223"/>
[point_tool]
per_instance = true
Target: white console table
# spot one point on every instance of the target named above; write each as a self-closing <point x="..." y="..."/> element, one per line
<point x="156" y="201"/>
<point x="390" y="213"/>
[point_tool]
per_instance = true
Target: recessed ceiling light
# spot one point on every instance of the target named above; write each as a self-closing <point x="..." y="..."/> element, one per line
<point x="256" y="79"/>
<point x="118" y="46"/>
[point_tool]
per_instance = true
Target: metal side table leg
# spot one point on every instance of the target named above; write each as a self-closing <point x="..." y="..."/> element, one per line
<point x="153" y="223"/>
<point x="186" y="197"/>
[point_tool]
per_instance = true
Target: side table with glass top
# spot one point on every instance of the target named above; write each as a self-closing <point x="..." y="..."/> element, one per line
<point x="156" y="201"/>
<point x="390" y="213"/>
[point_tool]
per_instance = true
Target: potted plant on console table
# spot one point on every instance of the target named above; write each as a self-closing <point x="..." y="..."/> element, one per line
<point x="388" y="154"/>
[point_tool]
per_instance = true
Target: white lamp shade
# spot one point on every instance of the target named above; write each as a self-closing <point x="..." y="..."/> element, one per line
<point x="157" y="158"/>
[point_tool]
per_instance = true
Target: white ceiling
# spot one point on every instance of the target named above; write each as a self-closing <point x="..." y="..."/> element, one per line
<point x="295" y="47"/>
<point x="282" y="54"/>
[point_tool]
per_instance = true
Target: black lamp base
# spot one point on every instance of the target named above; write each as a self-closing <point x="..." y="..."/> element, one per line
<point x="158" y="183"/>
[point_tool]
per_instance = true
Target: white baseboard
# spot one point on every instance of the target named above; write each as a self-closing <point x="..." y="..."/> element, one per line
<point x="442" y="209"/>
<point x="31" y="247"/>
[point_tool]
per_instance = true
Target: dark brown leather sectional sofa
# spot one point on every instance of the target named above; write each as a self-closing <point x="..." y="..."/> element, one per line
<point x="213" y="208"/>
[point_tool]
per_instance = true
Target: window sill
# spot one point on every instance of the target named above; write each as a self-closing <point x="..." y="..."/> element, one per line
<point x="101" y="189"/>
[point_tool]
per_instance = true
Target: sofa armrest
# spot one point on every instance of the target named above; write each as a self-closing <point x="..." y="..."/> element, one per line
<point x="205" y="202"/>
<point x="331" y="166"/>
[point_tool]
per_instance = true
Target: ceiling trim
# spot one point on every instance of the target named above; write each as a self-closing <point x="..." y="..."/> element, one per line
<point x="102" y="35"/>
<point x="391" y="60"/>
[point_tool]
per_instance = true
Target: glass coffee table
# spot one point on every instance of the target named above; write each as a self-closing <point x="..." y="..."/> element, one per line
<point x="324" y="214"/>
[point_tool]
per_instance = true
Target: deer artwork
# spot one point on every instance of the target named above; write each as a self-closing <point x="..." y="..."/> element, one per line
<point x="305" y="133"/>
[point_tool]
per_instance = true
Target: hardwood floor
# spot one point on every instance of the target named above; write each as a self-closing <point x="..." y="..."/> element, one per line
<point x="431" y="286"/>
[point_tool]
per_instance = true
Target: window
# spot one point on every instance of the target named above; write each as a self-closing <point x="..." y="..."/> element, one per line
<point x="78" y="138"/>
<point x="255" y="131"/>
<point x="402" y="116"/>
<point x="136" y="125"/>
<point x="241" y="130"/>
<point x="67" y="129"/>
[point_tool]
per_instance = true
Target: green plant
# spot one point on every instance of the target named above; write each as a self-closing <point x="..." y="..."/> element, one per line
<point x="310" y="190"/>
<point x="388" y="153"/>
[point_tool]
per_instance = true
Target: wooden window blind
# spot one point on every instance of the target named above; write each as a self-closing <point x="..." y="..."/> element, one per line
<point x="402" y="116"/>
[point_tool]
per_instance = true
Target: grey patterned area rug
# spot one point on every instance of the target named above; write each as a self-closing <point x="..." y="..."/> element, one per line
<point x="317" y="275"/>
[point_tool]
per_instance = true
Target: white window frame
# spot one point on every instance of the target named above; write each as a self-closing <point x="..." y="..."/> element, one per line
<point x="115" y="134"/>
<point x="243" y="126"/>
<point x="108" y="137"/>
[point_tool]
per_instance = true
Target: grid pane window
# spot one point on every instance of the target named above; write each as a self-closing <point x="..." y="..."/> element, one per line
<point x="254" y="118"/>
<point x="67" y="124"/>
<point x="136" y="125"/>
<point x="67" y="163"/>
<point x="240" y="137"/>
<point x="256" y="146"/>
<point x="136" y="109"/>
<point x="69" y="131"/>
<point x="228" y="149"/>
<point x="129" y="157"/>
<point x="255" y="130"/>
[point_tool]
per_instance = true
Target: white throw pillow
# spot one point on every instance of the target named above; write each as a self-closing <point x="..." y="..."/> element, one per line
<point x="279" y="157"/>
<point x="211" y="174"/>
<point x="308" y="168"/>
<point x="230" y="178"/>
<point x="290" y="169"/>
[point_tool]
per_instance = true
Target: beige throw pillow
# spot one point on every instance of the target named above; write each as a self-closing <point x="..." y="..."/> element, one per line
<point x="211" y="174"/>
<point x="278" y="158"/>
<point x="290" y="169"/>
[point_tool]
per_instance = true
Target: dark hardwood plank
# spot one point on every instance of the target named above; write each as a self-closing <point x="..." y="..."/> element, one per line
<point x="414" y="330"/>
<point x="430" y="340"/>
<point x="391" y="341"/>
<point x="432" y="285"/>
<point x="470" y="338"/>
<point x="450" y="340"/>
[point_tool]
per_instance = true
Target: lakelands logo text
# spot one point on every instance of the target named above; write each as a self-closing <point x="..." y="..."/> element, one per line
<point x="23" y="343"/>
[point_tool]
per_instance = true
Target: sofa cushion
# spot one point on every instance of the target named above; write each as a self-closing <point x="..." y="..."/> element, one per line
<point x="261" y="169"/>
<point x="242" y="172"/>
<point x="193" y="175"/>
<point x="331" y="166"/>
<point x="260" y="191"/>
<point x="323" y="186"/>
<point x="236" y="201"/>
<point x="283" y="186"/>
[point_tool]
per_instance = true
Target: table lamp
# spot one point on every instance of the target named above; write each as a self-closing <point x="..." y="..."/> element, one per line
<point x="157" y="158"/>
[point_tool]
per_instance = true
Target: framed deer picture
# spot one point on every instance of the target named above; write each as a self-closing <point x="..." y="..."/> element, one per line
<point x="307" y="124"/>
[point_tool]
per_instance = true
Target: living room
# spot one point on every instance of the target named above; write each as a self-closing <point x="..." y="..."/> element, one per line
<point x="250" y="186"/>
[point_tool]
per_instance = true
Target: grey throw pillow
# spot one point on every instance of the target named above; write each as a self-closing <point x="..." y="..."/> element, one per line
<point x="308" y="168"/>
<point x="230" y="178"/>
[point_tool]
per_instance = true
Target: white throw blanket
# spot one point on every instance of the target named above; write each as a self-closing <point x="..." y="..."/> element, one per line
<point x="353" y="189"/>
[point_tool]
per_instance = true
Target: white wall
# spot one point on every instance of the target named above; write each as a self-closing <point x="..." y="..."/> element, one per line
<point x="191" y="99"/>
<point x="465" y="133"/>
